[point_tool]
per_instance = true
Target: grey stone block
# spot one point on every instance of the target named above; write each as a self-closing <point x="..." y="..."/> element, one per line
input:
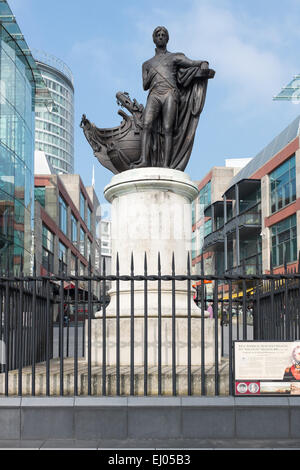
<point x="209" y="423"/>
<point x="16" y="444"/>
<point x="70" y="444"/>
<point x="206" y="402"/>
<point x="295" y="421"/>
<point x="46" y="402"/>
<point x="10" y="423"/>
<point x="10" y="402"/>
<point x="293" y="401"/>
<point x="47" y="423"/>
<point x="99" y="402"/>
<point x="262" y="423"/>
<point x="154" y="422"/>
<point x="154" y="401"/>
<point x="257" y="402"/>
<point x="100" y="423"/>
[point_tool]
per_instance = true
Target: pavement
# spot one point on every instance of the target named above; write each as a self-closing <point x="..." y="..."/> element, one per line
<point x="151" y="445"/>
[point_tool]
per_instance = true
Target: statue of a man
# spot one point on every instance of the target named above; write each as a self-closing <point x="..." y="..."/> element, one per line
<point x="160" y="78"/>
<point x="161" y="134"/>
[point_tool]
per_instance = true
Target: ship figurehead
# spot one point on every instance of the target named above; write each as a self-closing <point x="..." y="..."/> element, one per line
<point x="117" y="148"/>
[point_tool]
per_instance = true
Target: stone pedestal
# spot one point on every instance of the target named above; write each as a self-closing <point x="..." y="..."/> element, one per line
<point x="151" y="213"/>
<point x="181" y="341"/>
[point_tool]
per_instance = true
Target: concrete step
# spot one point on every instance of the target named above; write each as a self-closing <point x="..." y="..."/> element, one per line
<point x="111" y="380"/>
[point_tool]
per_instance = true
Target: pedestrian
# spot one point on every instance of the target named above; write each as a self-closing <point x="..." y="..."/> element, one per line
<point x="210" y="310"/>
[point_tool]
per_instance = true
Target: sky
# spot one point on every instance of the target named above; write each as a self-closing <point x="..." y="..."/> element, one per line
<point x="253" y="46"/>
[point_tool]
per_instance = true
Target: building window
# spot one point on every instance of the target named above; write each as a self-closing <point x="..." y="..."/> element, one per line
<point x="73" y="264"/>
<point x="194" y="244"/>
<point x="89" y="218"/>
<point x="207" y="227"/>
<point x="73" y="229"/>
<point x="283" y="185"/>
<point x="105" y="248"/>
<point x="205" y="195"/>
<point x="97" y="259"/>
<point x="47" y="249"/>
<point x="63" y="215"/>
<point x="88" y="249"/>
<point x="203" y="200"/>
<point x="82" y="206"/>
<point x="62" y="256"/>
<point x="39" y="195"/>
<point x="193" y="213"/>
<point x="82" y="269"/>
<point x="284" y="241"/>
<point x="82" y="242"/>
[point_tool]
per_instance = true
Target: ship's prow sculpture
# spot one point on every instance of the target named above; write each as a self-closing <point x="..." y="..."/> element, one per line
<point x="117" y="148"/>
<point x="161" y="134"/>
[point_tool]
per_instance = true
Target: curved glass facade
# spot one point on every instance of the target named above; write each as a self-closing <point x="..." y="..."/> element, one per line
<point x="54" y="132"/>
<point x="17" y="88"/>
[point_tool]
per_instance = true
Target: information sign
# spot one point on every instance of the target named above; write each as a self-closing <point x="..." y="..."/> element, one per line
<point x="264" y="368"/>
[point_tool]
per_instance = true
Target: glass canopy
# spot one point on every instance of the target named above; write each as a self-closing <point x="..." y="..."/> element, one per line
<point x="43" y="97"/>
<point x="291" y="92"/>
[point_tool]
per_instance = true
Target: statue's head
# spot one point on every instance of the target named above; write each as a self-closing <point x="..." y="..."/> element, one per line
<point x="160" y="36"/>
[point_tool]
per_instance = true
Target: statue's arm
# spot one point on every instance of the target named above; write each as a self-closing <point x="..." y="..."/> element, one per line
<point x="147" y="77"/>
<point x="185" y="62"/>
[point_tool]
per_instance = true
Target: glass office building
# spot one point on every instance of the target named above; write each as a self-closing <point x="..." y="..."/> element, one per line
<point x="21" y="89"/>
<point x="54" y="133"/>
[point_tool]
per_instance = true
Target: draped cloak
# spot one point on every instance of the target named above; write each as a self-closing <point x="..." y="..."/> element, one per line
<point x="192" y="86"/>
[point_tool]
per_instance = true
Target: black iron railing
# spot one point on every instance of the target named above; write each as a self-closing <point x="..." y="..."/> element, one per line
<point x="58" y="339"/>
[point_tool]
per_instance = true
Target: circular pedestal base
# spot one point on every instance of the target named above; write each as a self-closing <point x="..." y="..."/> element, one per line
<point x="151" y="221"/>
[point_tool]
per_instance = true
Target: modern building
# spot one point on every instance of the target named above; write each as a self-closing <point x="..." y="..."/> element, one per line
<point x="211" y="189"/>
<point x="54" y="128"/>
<point x="106" y="255"/>
<point x="255" y="225"/>
<point x="22" y="90"/>
<point x="66" y="217"/>
<point x="105" y="237"/>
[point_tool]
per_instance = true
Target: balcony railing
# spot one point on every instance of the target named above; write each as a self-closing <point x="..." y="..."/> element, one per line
<point x="249" y="266"/>
<point x="251" y="217"/>
<point x="214" y="238"/>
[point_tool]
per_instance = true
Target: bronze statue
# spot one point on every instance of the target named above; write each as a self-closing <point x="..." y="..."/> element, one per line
<point x="163" y="133"/>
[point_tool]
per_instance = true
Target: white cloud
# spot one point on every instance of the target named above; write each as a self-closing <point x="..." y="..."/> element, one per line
<point x="240" y="48"/>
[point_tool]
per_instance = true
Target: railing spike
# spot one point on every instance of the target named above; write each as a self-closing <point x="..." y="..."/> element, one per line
<point x="284" y="259"/>
<point x="188" y="264"/>
<point x="7" y="265"/>
<point x="34" y="265"/>
<point x="202" y="265"/>
<point x="104" y="265"/>
<point x="132" y="263"/>
<point x="271" y="263"/>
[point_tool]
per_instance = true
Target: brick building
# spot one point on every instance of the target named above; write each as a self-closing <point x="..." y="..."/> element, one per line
<point x="255" y="217"/>
<point x="66" y="218"/>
